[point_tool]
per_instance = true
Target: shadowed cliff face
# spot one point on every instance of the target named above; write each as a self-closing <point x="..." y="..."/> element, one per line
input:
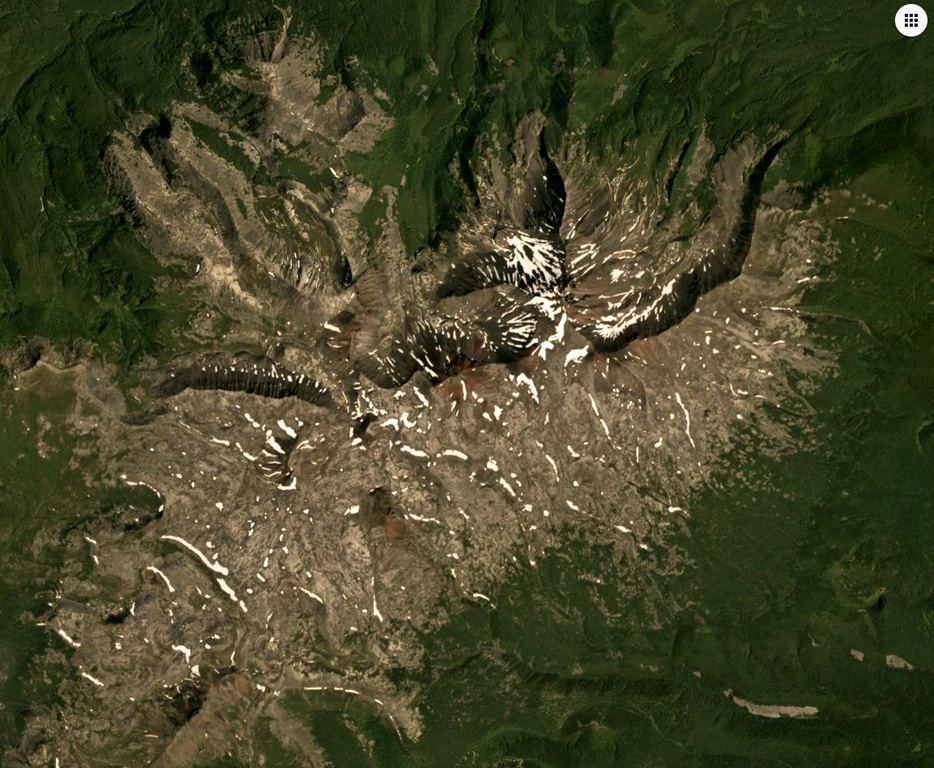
<point x="252" y="374"/>
<point x="600" y="256"/>
<point x="603" y="251"/>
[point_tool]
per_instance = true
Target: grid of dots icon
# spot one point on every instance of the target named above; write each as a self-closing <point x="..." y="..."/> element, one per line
<point x="911" y="20"/>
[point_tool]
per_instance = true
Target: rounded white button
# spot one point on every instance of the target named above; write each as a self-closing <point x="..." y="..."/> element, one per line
<point x="911" y="20"/>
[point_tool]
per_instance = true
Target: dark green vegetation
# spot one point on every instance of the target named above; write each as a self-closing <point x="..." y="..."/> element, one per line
<point x="804" y="559"/>
<point x="44" y="500"/>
